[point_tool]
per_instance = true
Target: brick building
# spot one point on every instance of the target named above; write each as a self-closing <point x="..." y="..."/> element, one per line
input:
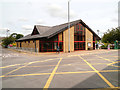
<point x="47" y="39"/>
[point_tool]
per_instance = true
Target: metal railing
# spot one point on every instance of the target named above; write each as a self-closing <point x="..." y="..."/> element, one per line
<point x="24" y="49"/>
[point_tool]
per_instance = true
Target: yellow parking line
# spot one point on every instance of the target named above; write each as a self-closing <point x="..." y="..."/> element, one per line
<point x="34" y="74"/>
<point x="115" y="66"/>
<point x="109" y="70"/>
<point x="40" y="61"/>
<point x="15" y="69"/>
<point x="74" y="72"/>
<point x="113" y="63"/>
<point x="66" y="65"/>
<point x="41" y="66"/>
<point x="104" y="58"/>
<point x="28" y="62"/>
<point x="98" y="73"/>
<point x="52" y="75"/>
<point x="11" y="65"/>
<point x="87" y="71"/>
<point x="25" y="66"/>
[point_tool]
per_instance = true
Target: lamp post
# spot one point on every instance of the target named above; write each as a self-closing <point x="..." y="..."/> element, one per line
<point x="7" y="32"/>
<point x="98" y="31"/>
<point x="69" y="26"/>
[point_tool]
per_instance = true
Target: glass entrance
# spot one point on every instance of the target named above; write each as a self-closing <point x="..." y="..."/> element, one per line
<point x="79" y="37"/>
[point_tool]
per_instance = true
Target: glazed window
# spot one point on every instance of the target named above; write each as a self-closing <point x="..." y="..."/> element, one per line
<point x="78" y="26"/>
<point x="51" y="44"/>
<point x="33" y="41"/>
<point x="81" y="27"/>
<point x="79" y="37"/>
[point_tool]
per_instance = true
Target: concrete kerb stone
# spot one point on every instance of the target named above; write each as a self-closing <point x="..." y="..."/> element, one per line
<point x="32" y="53"/>
<point x="82" y="53"/>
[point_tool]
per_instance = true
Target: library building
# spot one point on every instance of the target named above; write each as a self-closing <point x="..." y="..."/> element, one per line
<point x="47" y="39"/>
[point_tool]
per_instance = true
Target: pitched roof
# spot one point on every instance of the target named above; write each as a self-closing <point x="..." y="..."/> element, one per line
<point x="41" y="29"/>
<point x="48" y="32"/>
<point x="58" y="28"/>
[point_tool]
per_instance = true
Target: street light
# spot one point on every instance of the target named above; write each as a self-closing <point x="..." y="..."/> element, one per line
<point x="98" y="31"/>
<point x="7" y="32"/>
<point x="69" y="25"/>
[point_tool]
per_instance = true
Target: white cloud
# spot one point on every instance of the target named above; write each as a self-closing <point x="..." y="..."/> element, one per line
<point x="114" y="20"/>
<point x="93" y="12"/>
<point x="3" y="31"/>
<point x="26" y="32"/>
<point x="40" y="21"/>
<point x="56" y="10"/>
<point x="72" y="14"/>
<point x="10" y="23"/>
<point x="27" y="27"/>
<point x="23" y="19"/>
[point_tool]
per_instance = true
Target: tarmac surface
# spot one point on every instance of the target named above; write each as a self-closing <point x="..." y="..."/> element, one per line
<point x="80" y="69"/>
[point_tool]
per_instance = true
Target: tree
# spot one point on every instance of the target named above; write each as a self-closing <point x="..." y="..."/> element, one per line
<point x="111" y="35"/>
<point x="11" y="39"/>
<point x="8" y="40"/>
<point x="13" y="35"/>
<point x="19" y="36"/>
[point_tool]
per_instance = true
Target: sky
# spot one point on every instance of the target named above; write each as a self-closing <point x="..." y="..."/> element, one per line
<point x="20" y="16"/>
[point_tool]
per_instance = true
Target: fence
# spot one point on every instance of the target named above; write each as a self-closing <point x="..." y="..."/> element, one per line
<point x="25" y="49"/>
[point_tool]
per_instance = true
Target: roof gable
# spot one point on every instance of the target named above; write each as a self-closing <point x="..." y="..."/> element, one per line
<point x="41" y="29"/>
<point x="48" y="32"/>
<point x="35" y="31"/>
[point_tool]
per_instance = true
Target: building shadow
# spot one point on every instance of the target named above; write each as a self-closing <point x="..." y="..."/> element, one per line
<point x="95" y="82"/>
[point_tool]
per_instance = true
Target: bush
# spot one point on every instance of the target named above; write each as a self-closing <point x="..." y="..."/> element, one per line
<point x="104" y="46"/>
<point x="8" y="40"/>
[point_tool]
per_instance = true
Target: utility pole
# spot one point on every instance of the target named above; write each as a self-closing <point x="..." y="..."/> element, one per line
<point x="69" y="26"/>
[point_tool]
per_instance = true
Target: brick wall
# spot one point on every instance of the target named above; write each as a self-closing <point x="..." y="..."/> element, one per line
<point x="66" y="38"/>
<point x="29" y="44"/>
<point x="88" y="39"/>
<point x="60" y="37"/>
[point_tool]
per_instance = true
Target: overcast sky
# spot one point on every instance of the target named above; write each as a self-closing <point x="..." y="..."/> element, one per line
<point x="20" y="16"/>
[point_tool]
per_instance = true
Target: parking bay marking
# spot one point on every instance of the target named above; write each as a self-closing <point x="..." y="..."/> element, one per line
<point x="98" y="73"/>
<point x="104" y="58"/>
<point x="65" y="65"/>
<point x="11" y="65"/>
<point x="25" y="66"/>
<point x="52" y="75"/>
<point x="113" y="63"/>
<point x="36" y="74"/>
<point x="27" y="63"/>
